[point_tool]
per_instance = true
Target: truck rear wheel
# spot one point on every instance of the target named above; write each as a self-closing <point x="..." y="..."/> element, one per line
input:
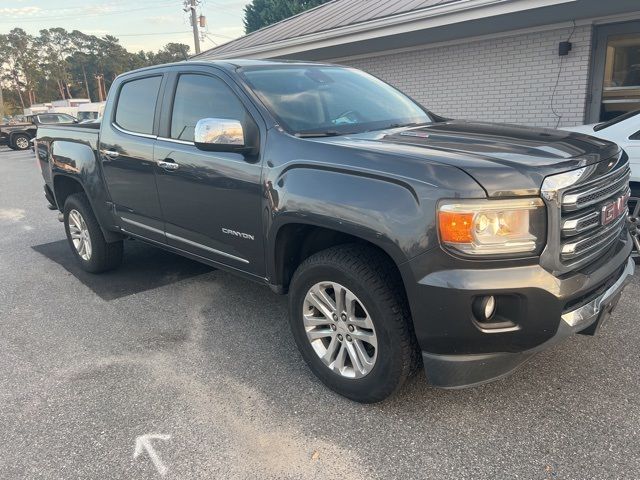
<point x="20" y="141"/>
<point x="93" y="252"/>
<point x="351" y="323"/>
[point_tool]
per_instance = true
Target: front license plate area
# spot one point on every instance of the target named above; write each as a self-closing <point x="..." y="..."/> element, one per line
<point x="605" y="315"/>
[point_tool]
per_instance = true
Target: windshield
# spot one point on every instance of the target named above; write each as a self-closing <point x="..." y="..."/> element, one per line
<point x="325" y="100"/>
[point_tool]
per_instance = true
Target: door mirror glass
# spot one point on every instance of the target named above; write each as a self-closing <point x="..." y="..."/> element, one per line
<point x="219" y="135"/>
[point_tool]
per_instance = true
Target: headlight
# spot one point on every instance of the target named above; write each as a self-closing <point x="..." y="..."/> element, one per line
<point x="493" y="227"/>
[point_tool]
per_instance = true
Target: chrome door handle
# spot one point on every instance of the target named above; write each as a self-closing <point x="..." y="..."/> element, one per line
<point x="109" y="154"/>
<point x="169" y="165"/>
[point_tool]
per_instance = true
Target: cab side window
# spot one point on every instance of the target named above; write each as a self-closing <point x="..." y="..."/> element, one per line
<point x="136" y="105"/>
<point x="48" y="118"/>
<point x="202" y="96"/>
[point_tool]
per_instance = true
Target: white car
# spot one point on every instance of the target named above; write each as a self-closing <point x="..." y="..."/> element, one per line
<point x="625" y="131"/>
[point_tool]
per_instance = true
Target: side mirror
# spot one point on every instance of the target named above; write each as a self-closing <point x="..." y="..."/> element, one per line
<point x="220" y="135"/>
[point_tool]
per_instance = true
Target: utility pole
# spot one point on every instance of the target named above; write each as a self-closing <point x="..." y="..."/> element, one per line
<point x="99" y="84"/>
<point x="194" y="25"/>
<point x="86" y="83"/>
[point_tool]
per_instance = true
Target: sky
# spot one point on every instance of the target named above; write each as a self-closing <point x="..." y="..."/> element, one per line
<point x="139" y="24"/>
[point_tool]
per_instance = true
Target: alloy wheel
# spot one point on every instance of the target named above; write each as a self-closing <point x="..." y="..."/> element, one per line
<point x="340" y="329"/>
<point x="80" y="235"/>
<point x="22" y="143"/>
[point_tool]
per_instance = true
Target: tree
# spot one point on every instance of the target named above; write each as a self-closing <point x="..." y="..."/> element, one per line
<point x="261" y="13"/>
<point x="55" y="46"/>
<point x="172" y="52"/>
<point x="17" y="51"/>
<point x="61" y="64"/>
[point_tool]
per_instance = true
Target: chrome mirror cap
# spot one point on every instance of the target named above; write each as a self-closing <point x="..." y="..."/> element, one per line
<point x="220" y="134"/>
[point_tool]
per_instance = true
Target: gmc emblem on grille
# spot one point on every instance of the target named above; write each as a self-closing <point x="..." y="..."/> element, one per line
<point x="614" y="210"/>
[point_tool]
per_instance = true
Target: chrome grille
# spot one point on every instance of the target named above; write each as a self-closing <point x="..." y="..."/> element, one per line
<point x="582" y="246"/>
<point x="601" y="189"/>
<point x="577" y="210"/>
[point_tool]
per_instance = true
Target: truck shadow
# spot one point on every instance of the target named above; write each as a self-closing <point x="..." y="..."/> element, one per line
<point x="143" y="268"/>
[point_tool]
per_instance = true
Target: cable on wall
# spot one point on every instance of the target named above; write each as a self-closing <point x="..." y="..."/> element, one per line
<point x="555" y="87"/>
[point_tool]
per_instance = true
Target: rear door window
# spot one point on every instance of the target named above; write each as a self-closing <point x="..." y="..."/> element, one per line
<point x="137" y="104"/>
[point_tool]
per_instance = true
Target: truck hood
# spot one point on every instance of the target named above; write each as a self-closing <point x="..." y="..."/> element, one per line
<point x="506" y="160"/>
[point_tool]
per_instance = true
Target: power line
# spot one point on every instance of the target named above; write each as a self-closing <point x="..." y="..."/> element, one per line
<point x="184" y="32"/>
<point x="224" y="9"/>
<point x="222" y="36"/>
<point x="208" y="35"/>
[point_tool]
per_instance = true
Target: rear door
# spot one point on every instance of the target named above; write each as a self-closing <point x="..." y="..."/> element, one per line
<point x="127" y="140"/>
<point x="211" y="201"/>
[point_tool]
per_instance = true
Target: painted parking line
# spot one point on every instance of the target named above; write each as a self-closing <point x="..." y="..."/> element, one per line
<point x="7" y="153"/>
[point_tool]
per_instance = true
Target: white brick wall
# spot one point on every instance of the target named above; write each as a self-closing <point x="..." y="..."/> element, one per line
<point x="508" y="79"/>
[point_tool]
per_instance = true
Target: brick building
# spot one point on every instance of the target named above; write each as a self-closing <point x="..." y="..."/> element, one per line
<point x="496" y="60"/>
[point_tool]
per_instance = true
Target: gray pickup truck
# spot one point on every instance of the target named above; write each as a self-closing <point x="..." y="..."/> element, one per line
<point x="402" y="238"/>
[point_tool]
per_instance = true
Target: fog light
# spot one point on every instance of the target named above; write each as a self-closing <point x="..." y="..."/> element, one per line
<point x="484" y="308"/>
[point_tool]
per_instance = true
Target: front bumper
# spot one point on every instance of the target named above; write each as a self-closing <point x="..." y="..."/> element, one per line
<point x="459" y="371"/>
<point x="545" y="310"/>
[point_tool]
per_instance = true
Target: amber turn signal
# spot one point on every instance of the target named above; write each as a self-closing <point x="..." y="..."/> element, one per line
<point x="455" y="227"/>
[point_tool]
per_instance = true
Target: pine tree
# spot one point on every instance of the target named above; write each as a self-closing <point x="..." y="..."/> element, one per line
<point x="261" y="13"/>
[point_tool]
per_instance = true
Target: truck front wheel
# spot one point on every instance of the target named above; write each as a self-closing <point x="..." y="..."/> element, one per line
<point x="351" y="322"/>
<point x="92" y="251"/>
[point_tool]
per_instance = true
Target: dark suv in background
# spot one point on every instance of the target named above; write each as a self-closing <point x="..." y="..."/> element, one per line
<point x="18" y="137"/>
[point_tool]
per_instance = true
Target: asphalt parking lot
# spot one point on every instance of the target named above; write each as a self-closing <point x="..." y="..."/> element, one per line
<point x="205" y="361"/>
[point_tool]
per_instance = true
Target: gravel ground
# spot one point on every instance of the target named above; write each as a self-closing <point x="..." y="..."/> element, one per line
<point x="206" y="360"/>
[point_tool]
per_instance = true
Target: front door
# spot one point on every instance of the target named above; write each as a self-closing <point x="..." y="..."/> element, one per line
<point x="126" y="150"/>
<point x="211" y="201"/>
<point x="616" y="71"/>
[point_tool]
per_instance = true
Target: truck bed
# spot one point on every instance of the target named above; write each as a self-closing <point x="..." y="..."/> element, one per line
<point x="68" y="148"/>
<point x="85" y="133"/>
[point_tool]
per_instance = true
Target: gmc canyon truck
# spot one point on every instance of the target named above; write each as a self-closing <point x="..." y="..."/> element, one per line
<point x="402" y="238"/>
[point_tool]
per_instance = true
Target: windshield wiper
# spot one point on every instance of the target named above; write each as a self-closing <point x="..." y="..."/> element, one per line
<point x="325" y="133"/>
<point x="398" y="125"/>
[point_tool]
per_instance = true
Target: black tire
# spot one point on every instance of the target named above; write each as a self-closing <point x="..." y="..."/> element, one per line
<point x="104" y="256"/>
<point x="367" y="273"/>
<point x="17" y="141"/>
